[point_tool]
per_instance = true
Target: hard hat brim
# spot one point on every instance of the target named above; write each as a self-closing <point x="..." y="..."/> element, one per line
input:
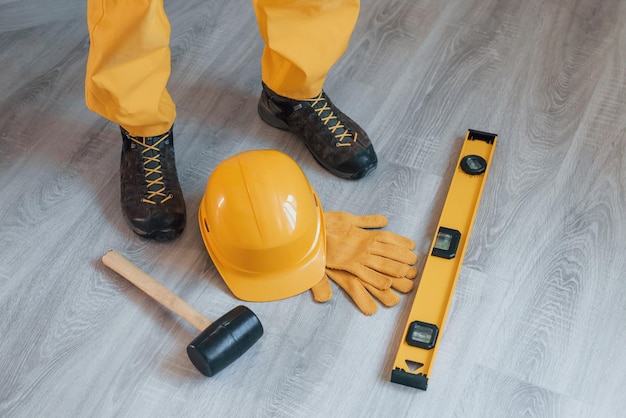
<point x="275" y="285"/>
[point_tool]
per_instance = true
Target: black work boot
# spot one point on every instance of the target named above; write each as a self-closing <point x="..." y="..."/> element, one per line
<point x="152" y="200"/>
<point x="336" y="141"/>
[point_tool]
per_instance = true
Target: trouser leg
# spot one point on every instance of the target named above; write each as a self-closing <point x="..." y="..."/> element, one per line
<point x="303" y="40"/>
<point x="129" y="58"/>
<point x="129" y="65"/>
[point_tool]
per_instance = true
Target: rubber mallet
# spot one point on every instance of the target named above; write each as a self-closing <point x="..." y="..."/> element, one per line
<point x="220" y="343"/>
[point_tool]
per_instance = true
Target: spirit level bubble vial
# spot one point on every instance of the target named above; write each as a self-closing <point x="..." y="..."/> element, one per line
<point x="420" y="340"/>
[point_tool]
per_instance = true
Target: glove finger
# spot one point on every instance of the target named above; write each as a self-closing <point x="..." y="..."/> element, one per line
<point x="392" y="251"/>
<point x="375" y="278"/>
<point x="322" y="291"/>
<point x="355" y="289"/>
<point x="402" y="285"/>
<point x="387" y="297"/>
<point x="389" y="237"/>
<point x="332" y="218"/>
<point x="390" y="268"/>
<point x="411" y="273"/>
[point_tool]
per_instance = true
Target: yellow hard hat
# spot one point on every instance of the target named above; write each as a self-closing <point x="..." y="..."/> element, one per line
<point x="263" y="226"/>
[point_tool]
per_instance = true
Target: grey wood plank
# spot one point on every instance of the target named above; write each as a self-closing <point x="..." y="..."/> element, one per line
<point x="536" y="323"/>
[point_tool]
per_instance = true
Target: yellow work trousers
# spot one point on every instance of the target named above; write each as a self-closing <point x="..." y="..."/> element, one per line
<point x="129" y="57"/>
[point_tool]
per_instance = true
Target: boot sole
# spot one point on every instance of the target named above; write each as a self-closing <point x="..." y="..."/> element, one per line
<point x="160" y="236"/>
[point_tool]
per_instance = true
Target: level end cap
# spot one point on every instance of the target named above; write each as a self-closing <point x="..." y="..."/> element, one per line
<point x="418" y="381"/>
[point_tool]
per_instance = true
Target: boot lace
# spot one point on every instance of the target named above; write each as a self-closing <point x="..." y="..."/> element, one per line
<point x="343" y="136"/>
<point x="151" y="154"/>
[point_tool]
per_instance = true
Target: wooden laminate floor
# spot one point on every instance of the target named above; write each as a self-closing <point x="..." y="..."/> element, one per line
<point x="536" y="327"/>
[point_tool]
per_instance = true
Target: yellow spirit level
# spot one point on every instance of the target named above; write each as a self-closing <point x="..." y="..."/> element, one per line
<point x="419" y="344"/>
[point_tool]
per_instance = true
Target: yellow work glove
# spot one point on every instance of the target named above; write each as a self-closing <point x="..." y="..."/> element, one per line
<point x="365" y="262"/>
<point x="362" y="294"/>
<point x="373" y="256"/>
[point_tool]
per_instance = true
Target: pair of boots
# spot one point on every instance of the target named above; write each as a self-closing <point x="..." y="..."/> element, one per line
<point x="152" y="200"/>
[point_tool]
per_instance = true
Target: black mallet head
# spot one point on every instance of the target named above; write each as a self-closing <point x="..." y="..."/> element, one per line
<point x="225" y="340"/>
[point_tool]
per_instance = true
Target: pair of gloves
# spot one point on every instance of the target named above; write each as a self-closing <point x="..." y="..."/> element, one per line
<point x="367" y="264"/>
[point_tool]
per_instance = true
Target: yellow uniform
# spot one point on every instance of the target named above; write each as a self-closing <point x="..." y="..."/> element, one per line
<point x="129" y="57"/>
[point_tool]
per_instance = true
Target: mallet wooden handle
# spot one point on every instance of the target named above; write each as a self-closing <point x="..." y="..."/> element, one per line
<point x="118" y="263"/>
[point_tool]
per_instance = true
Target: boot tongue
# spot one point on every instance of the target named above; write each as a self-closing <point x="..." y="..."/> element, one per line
<point x="152" y="157"/>
<point x="152" y="168"/>
<point x="331" y="120"/>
